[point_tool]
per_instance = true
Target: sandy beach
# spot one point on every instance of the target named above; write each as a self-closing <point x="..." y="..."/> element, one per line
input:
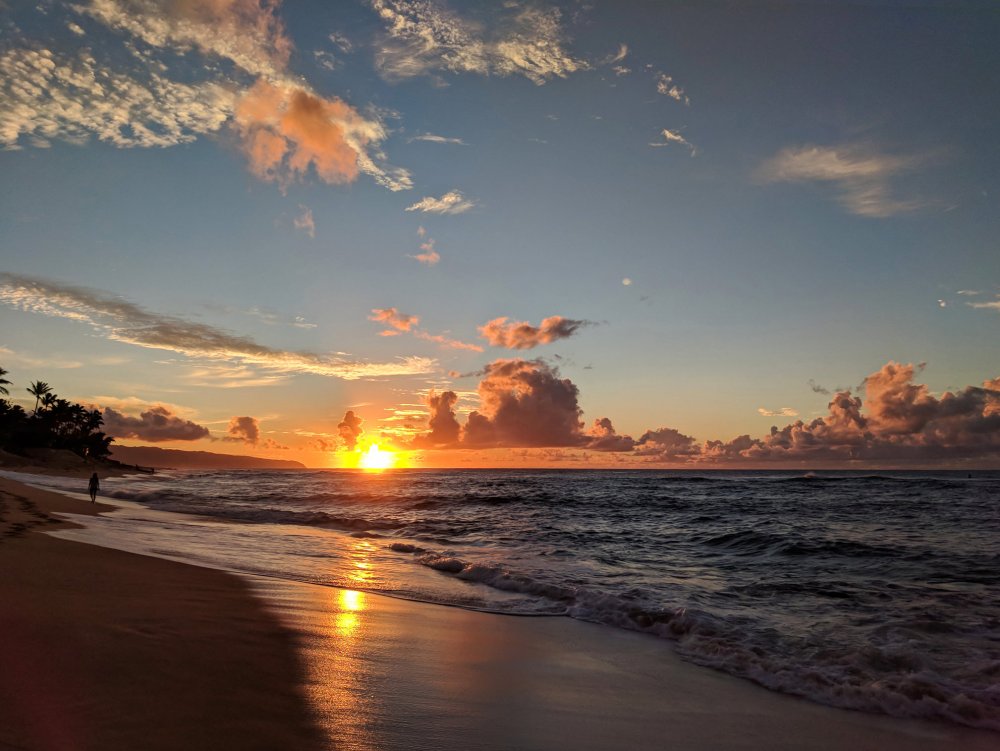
<point x="104" y="649"/>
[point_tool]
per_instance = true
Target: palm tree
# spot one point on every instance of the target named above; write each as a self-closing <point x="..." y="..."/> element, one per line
<point x="4" y="383"/>
<point x="38" y="389"/>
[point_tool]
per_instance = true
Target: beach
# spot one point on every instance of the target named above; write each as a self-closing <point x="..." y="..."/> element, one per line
<point x="105" y="649"/>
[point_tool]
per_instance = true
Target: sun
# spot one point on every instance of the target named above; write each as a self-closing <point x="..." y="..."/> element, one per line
<point x="375" y="458"/>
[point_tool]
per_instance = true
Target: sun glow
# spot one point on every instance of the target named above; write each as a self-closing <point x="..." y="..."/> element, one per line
<point x="375" y="458"/>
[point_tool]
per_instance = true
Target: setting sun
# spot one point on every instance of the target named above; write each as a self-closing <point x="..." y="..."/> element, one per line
<point x="375" y="458"/>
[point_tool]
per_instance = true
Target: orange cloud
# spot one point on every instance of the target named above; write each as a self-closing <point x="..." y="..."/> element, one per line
<point x="522" y="335"/>
<point x="287" y="130"/>
<point x="392" y="317"/>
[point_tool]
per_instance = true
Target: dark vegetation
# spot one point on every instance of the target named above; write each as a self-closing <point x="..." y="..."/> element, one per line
<point x="53" y="424"/>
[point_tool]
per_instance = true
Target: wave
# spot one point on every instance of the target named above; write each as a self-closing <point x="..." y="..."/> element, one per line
<point x="889" y="677"/>
<point x="751" y="542"/>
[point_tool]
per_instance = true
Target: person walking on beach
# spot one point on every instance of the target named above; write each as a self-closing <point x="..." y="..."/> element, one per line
<point x="95" y="485"/>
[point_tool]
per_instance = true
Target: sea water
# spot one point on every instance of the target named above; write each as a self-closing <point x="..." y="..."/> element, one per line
<point x="878" y="592"/>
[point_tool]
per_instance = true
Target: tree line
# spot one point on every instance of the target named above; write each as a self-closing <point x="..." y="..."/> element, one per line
<point x="53" y="424"/>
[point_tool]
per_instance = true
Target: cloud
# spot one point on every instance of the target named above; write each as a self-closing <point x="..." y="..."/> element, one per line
<point x="304" y="221"/>
<point x="991" y="305"/>
<point x="431" y="138"/>
<point x="666" y="445"/>
<point x="430" y="256"/>
<point x="123" y="321"/>
<point x="861" y="175"/>
<point x="617" y="57"/>
<point x="46" y="96"/>
<point x="783" y="412"/>
<point x="524" y="404"/>
<point x="522" y="335"/>
<point x="604" y="438"/>
<point x="447" y="342"/>
<point x="392" y="317"/>
<point x="402" y="322"/>
<point x="817" y="389"/>
<point x="673" y="137"/>
<point x="243" y="430"/>
<point x="286" y="129"/>
<point x="288" y="132"/>
<point x="248" y="33"/>
<point x="443" y="426"/>
<point x="154" y="425"/>
<point x="666" y="86"/>
<point x="349" y="429"/>
<point x="423" y="37"/>
<point x="452" y="202"/>
<point x="898" y="421"/>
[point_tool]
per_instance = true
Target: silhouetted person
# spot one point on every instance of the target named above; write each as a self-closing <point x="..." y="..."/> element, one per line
<point x="94" y="486"/>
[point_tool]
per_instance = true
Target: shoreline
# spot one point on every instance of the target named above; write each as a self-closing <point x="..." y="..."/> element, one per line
<point x="368" y="671"/>
<point x="104" y="649"/>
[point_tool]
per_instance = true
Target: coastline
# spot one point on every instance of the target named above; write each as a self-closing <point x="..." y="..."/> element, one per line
<point x="160" y="654"/>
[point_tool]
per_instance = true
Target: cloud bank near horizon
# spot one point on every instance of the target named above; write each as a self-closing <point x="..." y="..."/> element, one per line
<point x="525" y="404"/>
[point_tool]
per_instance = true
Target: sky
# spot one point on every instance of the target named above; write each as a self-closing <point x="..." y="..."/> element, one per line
<point x="609" y="234"/>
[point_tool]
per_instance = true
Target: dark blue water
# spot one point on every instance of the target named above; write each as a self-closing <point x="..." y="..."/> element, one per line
<point x="870" y="591"/>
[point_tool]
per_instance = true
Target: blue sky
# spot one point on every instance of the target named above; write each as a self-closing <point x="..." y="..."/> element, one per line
<point x="795" y="191"/>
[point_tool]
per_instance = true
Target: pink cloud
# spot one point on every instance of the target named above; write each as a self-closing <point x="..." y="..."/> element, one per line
<point x="522" y="335"/>
<point x="447" y="342"/>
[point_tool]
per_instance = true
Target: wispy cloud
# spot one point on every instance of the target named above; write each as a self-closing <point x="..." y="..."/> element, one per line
<point x="666" y="86"/>
<point x="671" y="137"/>
<point x="452" y="202"/>
<point x="123" y="321"/>
<point x="862" y="175"/>
<point x="433" y="138"/>
<point x="398" y="323"/>
<point x="783" y="412"/>
<point x="990" y="305"/>
<point x="447" y="342"/>
<point x="305" y="222"/>
<point x="424" y="37"/>
<point x="429" y="256"/>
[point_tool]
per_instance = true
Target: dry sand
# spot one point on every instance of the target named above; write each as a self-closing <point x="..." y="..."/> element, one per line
<point x="103" y="649"/>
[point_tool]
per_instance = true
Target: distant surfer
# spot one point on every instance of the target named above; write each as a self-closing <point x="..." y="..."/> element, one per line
<point x="94" y="486"/>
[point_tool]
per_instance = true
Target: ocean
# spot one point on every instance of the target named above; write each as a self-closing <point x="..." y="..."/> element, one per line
<point x="870" y="591"/>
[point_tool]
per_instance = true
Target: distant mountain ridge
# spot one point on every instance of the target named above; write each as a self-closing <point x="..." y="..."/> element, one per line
<point x="152" y="456"/>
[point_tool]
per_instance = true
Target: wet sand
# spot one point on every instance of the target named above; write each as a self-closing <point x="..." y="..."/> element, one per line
<point x="103" y="649"/>
<point x="391" y="674"/>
